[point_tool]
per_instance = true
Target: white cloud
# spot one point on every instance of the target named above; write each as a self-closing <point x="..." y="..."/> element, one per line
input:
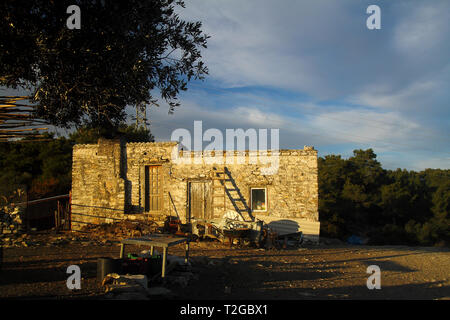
<point x="381" y="95"/>
<point x="366" y="126"/>
<point x="432" y="163"/>
<point x="234" y="117"/>
<point x="422" y="28"/>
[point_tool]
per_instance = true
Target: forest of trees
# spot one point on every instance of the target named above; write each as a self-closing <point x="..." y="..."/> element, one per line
<point x="356" y="195"/>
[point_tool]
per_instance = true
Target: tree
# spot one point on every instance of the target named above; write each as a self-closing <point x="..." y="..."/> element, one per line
<point x="44" y="168"/>
<point x="136" y="134"/>
<point x="332" y="175"/>
<point x="396" y="201"/>
<point x="88" y="134"/>
<point x="124" y="51"/>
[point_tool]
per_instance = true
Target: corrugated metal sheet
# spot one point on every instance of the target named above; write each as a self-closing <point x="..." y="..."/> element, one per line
<point x="282" y="226"/>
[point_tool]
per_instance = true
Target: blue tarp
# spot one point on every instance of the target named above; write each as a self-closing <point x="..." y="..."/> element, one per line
<point x="354" y="240"/>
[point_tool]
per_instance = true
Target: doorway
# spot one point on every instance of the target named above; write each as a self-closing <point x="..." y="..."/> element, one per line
<point x="200" y="200"/>
<point x="153" y="189"/>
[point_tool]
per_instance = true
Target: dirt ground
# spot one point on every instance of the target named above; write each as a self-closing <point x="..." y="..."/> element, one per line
<point x="310" y="272"/>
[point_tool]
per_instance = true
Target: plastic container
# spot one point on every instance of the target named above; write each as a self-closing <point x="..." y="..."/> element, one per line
<point x="133" y="256"/>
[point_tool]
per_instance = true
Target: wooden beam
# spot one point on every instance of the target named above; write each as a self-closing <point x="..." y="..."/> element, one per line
<point x="21" y="130"/>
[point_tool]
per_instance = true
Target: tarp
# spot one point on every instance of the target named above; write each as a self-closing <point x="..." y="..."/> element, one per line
<point x="354" y="240"/>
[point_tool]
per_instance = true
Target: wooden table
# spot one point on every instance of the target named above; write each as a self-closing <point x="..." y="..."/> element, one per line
<point x="157" y="240"/>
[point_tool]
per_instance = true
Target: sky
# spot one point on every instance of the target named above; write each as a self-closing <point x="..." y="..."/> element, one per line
<point x="313" y="70"/>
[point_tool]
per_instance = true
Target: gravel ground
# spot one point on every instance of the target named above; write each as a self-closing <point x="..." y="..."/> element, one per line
<point x="310" y="272"/>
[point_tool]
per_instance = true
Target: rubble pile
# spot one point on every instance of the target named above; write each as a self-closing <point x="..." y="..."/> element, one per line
<point x="122" y="229"/>
<point x="46" y="239"/>
<point x="14" y="235"/>
<point x="11" y="220"/>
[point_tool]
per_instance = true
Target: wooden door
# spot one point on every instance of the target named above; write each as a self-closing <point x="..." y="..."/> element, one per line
<point x="200" y="199"/>
<point x="153" y="189"/>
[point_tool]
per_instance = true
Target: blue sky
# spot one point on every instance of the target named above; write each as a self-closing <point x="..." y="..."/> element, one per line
<point x="315" y="71"/>
<point x="312" y="69"/>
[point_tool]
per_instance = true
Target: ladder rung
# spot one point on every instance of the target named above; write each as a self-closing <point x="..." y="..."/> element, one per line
<point x="218" y="195"/>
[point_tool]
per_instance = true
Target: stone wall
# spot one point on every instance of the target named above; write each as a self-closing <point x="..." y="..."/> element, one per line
<point x="109" y="181"/>
<point x="98" y="186"/>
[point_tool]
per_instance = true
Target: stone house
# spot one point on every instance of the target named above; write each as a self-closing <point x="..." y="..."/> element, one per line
<point x="113" y="180"/>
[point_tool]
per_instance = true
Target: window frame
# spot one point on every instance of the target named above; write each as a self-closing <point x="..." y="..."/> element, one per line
<point x="265" y="199"/>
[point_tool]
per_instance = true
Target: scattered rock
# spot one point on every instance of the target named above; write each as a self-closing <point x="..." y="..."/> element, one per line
<point x="121" y="230"/>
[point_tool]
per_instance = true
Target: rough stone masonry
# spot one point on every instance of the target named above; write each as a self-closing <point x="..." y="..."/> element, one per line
<point x="113" y="180"/>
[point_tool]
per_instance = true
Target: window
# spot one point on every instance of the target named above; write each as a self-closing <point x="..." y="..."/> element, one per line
<point x="259" y="199"/>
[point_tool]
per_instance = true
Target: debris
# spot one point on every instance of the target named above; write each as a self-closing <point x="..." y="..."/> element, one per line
<point x="109" y="278"/>
<point x="228" y="229"/>
<point x="126" y="287"/>
<point x="147" y="253"/>
<point x="121" y="230"/>
<point x="11" y="219"/>
<point x="138" y="278"/>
